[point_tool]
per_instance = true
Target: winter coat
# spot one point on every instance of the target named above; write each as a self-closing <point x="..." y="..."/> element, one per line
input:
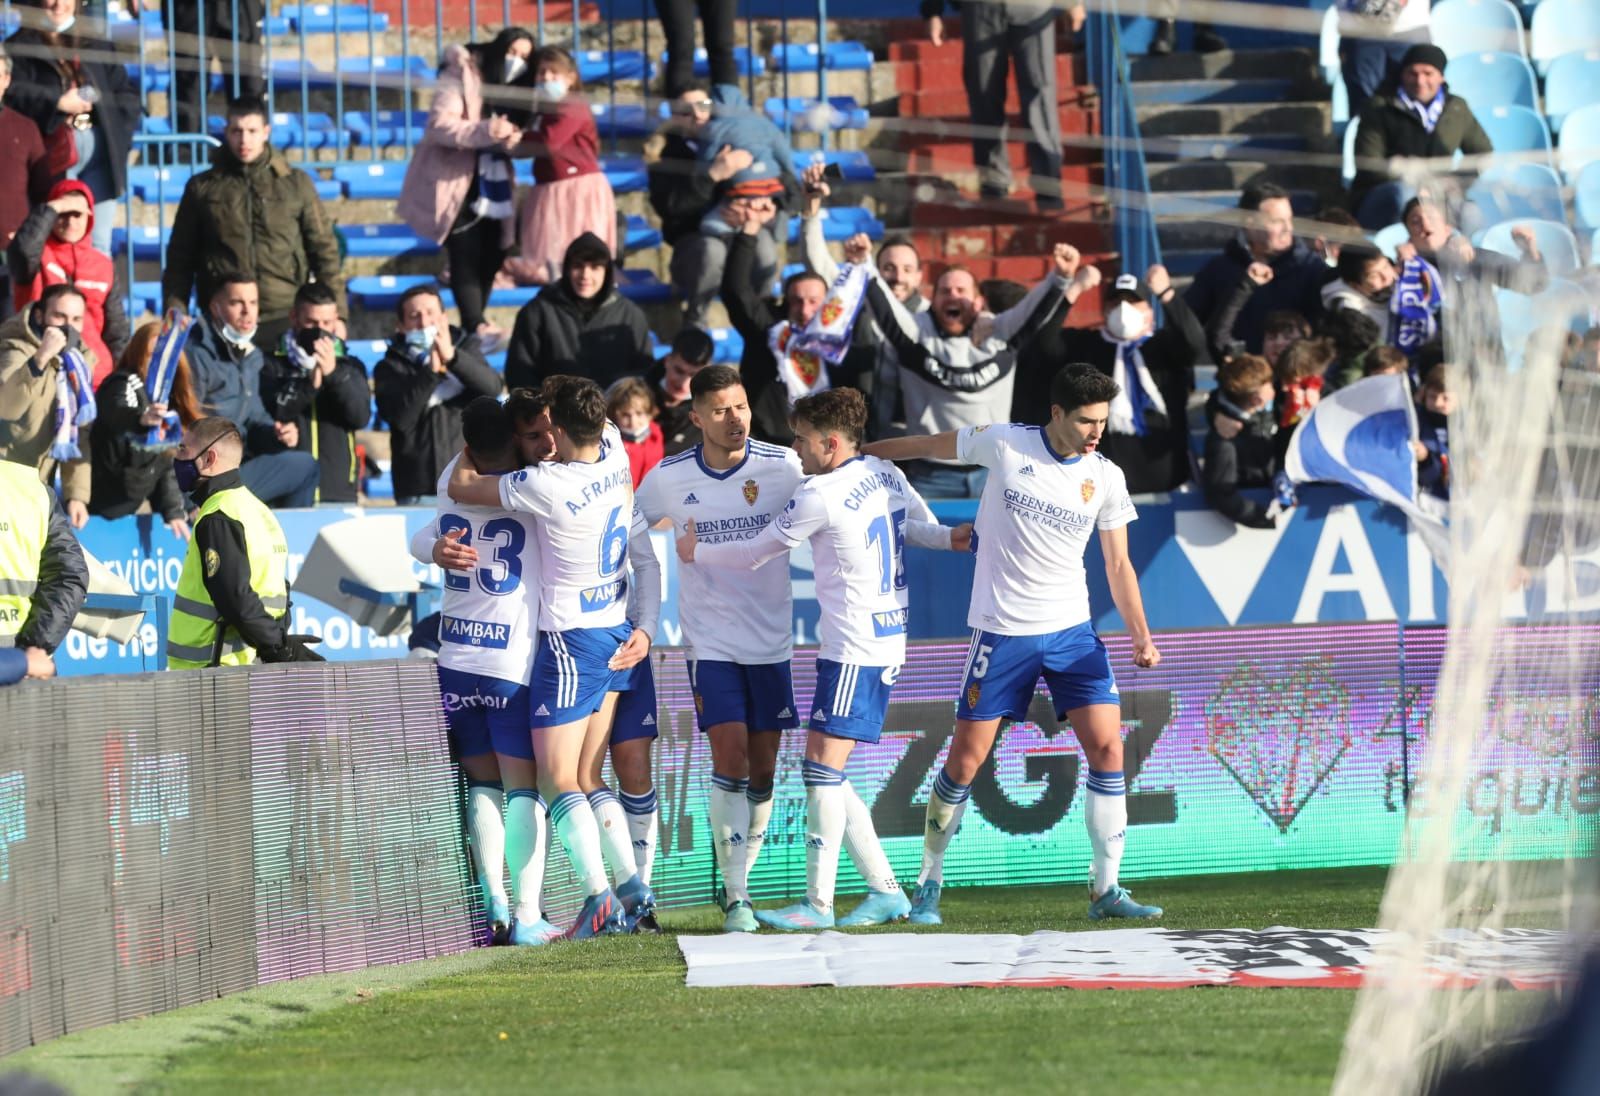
<point x="1388" y="129"/>
<point x="644" y="455"/>
<point x="735" y="122"/>
<point x="263" y="218"/>
<point x="1249" y="459"/>
<point x="556" y="332"/>
<point x="38" y="259"/>
<point x="27" y="411"/>
<point x="681" y="189"/>
<point x="227" y="383"/>
<point x="445" y="163"/>
<point x="38" y="83"/>
<point x="425" y="428"/>
<point x="125" y="475"/>
<point x="24" y="171"/>
<point x="327" y="416"/>
<point x="1298" y="276"/>
<point x="563" y="140"/>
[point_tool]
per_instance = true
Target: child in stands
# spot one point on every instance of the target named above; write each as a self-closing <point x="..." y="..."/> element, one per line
<point x="632" y="406"/>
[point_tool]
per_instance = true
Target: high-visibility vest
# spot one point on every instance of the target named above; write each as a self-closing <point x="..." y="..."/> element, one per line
<point x="24" y="529"/>
<point x="193" y="636"/>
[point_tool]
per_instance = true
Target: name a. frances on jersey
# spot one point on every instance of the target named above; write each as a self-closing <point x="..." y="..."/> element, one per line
<point x="889" y="622"/>
<point x="598" y="597"/>
<point x="600" y="488"/>
<point x="871" y="485"/>
<point x="474" y="633"/>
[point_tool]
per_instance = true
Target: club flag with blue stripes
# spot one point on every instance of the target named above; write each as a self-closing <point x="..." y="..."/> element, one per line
<point x="1360" y="437"/>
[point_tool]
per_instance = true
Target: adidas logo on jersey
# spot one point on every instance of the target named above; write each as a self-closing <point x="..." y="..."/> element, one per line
<point x="649" y="720"/>
<point x="1027" y="470"/>
<point x="690" y="500"/>
<point x="541" y="710"/>
<point x="785" y="714"/>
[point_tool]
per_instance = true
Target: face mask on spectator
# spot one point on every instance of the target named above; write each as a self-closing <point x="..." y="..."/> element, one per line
<point x="238" y="338"/>
<point x="553" y="89"/>
<point x="420" y="341"/>
<point x="68" y="332"/>
<point x="65" y="25"/>
<point x="301" y="346"/>
<point x="515" y="67"/>
<point x="1124" y="322"/>
<point x="187" y="472"/>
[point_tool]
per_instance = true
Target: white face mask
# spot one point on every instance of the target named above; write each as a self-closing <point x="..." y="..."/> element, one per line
<point x="1124" y="322"/>
<point x="554" y="89"/>
<point x="515" y="67"/>
<point x="421" y="340"/>
<point x="65" y="25"/>
<point x="236" y="337"/>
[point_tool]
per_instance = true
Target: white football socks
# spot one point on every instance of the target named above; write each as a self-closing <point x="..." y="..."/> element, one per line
<point x="1105" y="812"/>
<point x="487" y="828"/>
<point x="760" y="801"/>
<point x="861" y="842"/>
<point x="580" y="837"/>
<point x="825" y="825"/>
<point x="526" y="843"/>
<point x="945" y="807"/>
<point x="615" y="839"/>
<point x="643" y="829"/>
<point x="730" y="830"/>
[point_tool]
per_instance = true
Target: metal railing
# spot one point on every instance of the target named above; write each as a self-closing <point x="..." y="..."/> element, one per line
<point x="1127" y="185"/>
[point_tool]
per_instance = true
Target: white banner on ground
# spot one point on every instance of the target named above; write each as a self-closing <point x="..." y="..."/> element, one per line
<point x="1143" y="958"/>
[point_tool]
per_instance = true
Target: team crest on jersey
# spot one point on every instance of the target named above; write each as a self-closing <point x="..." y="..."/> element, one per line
<point x="751" y="490"/>
<point x="973" y="692"/>
<point x="1086" y="489"/>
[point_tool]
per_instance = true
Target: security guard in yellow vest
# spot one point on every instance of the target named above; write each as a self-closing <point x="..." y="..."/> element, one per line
<point x="43" y="576"/>
<point x="232" y="602"/>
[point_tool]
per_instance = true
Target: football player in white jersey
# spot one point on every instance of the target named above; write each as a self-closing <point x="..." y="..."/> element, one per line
<point x="858" y="512"/>
<point x="483" y="671"/>
<point x="584" y="505"/>
<point x="738" y="628"/>
<point x="1048" y="489"/>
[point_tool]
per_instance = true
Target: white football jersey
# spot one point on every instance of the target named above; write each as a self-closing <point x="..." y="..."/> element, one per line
<point x="1035" y="518"/>
<point x="855" y="517"/>
<point x="489" y="619"/>
<point x="584" y="514"/>
<point x="729" y="616"/>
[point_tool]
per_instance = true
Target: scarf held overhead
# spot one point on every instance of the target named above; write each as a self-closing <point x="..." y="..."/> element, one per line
<point x="158" y="381"/>
<point x="74" y="405"/>
<point x="1415" y="305"/>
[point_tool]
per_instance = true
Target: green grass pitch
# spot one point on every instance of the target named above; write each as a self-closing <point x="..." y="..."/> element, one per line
<point x="614" y="1015"/>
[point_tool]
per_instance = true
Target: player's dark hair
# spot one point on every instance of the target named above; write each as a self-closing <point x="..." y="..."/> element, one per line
<point x="841" y="411"/>
<point x="486" y="428"/>
<point x="578" y="407"/>
<point x="1079" y="385"/>
<point x="525" y="405"/>
<point x="416" y="291"/>
<point x="714" y="378"/>
<point x="314" y="295"/>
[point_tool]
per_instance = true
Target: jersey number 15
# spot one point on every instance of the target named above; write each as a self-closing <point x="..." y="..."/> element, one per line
<point x="887" y="534"/>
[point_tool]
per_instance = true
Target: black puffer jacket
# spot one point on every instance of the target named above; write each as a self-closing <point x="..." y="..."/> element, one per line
<point x="1249" y="459"/>
<point x="125" y="475"/>
<point x="327" y="416"/>
<point x="424" y="435"/>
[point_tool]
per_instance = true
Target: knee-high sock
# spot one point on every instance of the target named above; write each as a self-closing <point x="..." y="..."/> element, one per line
<point x="526" y="846"/>
<point x="1105" y="812"/>
<point x="642" y="829"/>
<point x="612" y="822"/>
<point x="945" y="807"/>
<point x="487" y="828"/>
<point x="580" y="837"/>
<point x="825" y="823"/>
<point x="730" y="829"/>
<point x="861" y="842"/>
<point x="760" y="800"/>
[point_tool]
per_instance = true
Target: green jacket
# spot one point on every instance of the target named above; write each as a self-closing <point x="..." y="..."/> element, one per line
<point x="1388" y="129"/>
<point x="261" y="218"/>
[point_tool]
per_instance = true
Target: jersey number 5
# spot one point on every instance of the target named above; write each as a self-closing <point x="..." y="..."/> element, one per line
<point x="505" y="539"/>
<point x="887" y="534"/>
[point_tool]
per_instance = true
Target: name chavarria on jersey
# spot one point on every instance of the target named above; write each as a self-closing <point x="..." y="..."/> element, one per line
<point x="729" y="616"/>
<point x="1036" y="516"/>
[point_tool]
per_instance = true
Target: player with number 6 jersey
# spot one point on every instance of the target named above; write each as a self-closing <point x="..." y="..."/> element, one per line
<point x="1048" y="489"/>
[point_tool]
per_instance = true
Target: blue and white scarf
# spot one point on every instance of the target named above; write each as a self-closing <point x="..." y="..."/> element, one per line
<point x="74" y="405"/>
<point x="1415" y="306"/>
<point x="1136" y="388"/>
<point x="158" y="382"/>
<point x="828" y="333"/>
<point x="496" y="186"/>
<point x="1428" y="113"/>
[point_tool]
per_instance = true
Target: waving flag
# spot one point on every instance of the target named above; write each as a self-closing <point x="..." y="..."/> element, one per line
<point x="158" y="381"/>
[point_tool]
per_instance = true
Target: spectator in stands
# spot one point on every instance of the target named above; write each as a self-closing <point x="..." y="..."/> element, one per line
<point x="310" y="381"/>
<point x="582" y="325"/>
<point x="683" y="191"/>
<point x="1266" y="240"/>
<point x="128" y="473"/>
<point x="1335" y="228"/>
<point x="1244" y="455"/>
<point x="997" y="34"/>
<point x="1147" y="434"/>
<point x="1165" y="40"/>
<point x="1282" y="330"/>
<point x="31" y="347"/>
<point x="1418" y="120"/>
<point x="571" y="195"/>
<point x="1365" y="282"/>
<point x="632" y="406"/>
<point x="225" y="364"/>
<point x="1432" y="237"/>
<point x="468" y="137"/>
<point x="232" y="32"/>
<point x="752" y="164"/>
<point x="900" y="267"/>
<point x="1354" y="335"/>
<point x="44" y="578"/>
<point x="692" y="350"/>
<point x="1435" y="404"/>
<point x="54" y="246"/>
<point x="429" y="374"/>
<point x="1300" y="373"/>
<point x="24" y="173"/>
<point x="253" y="212"/>
<point x="72" y="84"/>
<point x="1384" y="361"/>
<point x="1374" y="36"/>
<point x="677" y="23"/>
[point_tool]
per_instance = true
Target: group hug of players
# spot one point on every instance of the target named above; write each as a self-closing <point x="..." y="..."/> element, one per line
<point x="548" y="618"/>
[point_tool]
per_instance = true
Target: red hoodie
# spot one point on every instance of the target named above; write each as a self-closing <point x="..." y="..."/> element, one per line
<point x="90" y="270"/>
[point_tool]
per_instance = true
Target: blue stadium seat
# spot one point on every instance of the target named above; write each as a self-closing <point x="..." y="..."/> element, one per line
<point x="385" y="128"/>
<point x="327" y="18"/>
<point x="1460" y="27"/>
<point x="624" y="121"/>
<point x="1515" y="129"/>
<point x="1493" y="79"/>
<point x="311" y="130"/>
<point x="375" y="180"/>
<point x="727" y="346"/>
<point x="839" y="56"/>
<point x="853" y="164"/>
<point x="124" y="25"/>
<point x="1580" y="140"/>
<point x="1556" y="242"/>
<point x="369" y="352"/>
<point x="598" y="66"/>
<point x="1389" y="238"/>
<point x="290" y="73"/>
<point x="1561" y="26"/>
<point x="1586" y="199"/>
<point x="384" y="241"/>
<point x="155" y="184"/>
<point x="626" y="174"/>
<point x="741" y="58"/>
<point x="641" y="235"/>
<point x="382" y="291"/>
<point x="389" y="70"/>
<point x="148" y="240"/>
<point x="812" y="116"/>
<point x="841" y="223"/>
<point x="1514" y="192"/>
<point x="146" y="297"/>
<point x="1572" y="82"/>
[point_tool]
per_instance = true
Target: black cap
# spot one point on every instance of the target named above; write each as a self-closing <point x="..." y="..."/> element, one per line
<point x="1128" y="287"/>
<point x="1424" y="53"/>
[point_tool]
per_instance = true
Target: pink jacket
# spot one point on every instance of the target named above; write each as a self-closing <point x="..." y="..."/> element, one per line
<point x="444" y="163"/>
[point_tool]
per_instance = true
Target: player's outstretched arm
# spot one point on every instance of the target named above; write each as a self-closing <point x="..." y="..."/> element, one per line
<point x="741" y="555"/>
<point x="471" y="488"/>
<point x="1125" y="595"/>
<point x="914" y="447"/>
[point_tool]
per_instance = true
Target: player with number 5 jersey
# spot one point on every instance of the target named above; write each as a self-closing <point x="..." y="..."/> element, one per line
<point x="859" y="513"/>
<point x="1048" y="490"/>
